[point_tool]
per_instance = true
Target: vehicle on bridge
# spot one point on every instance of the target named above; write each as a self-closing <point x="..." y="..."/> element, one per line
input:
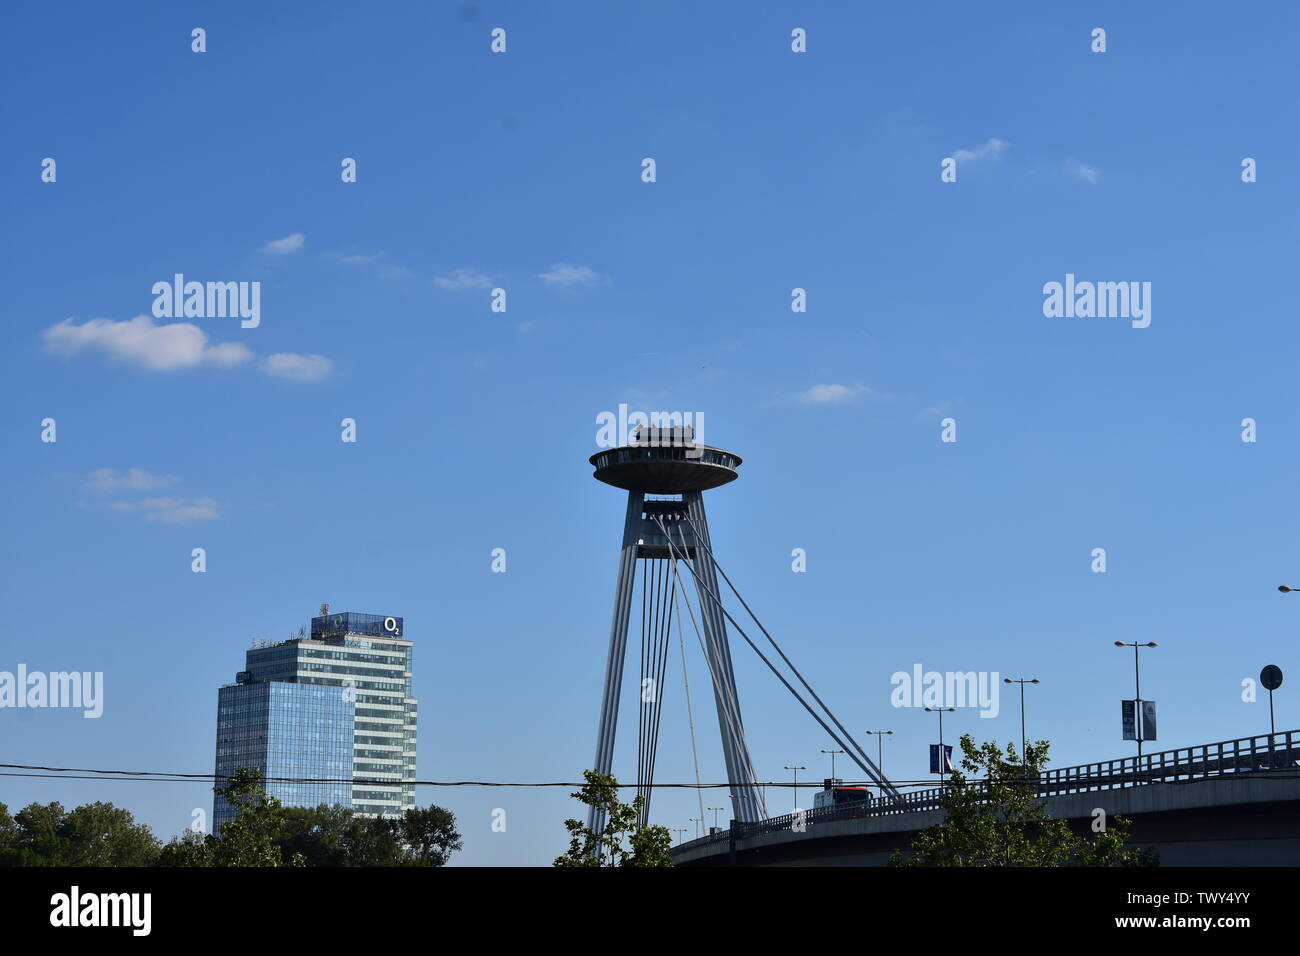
<point x="835" y="794"/>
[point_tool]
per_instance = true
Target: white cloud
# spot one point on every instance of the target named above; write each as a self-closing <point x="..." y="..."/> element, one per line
<point x="297" y="368"/>
<point x="133" y="479"/>
<point x="463" y="279"/>
<point x="288" y="244"/>
<point x="993" y="149"/>
<point x="171" y="510"/>
<point x="1087" y="174"/>
<point x="566" y="274"/>
<point x="361" y="260"/>
<point x="159" y="348"/>
<point x="830" y="394"/>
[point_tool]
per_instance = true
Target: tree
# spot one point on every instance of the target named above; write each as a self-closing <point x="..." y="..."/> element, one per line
<point x="623" y="841"/>
<point x="336" y="836"/>
<point x="1001" y="821"/>
<point x="191" y="848"/>
<point x="100" y="834"/>
<point x="95" y="834"/>
<point x="253" y="837"/>
<point x="374" y="841"/>
<point x="320" y="834"/>
<point x="38" y="842"/>
<point x="430" y="835"/>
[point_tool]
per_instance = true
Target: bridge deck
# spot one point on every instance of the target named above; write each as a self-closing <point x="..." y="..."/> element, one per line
<point x="1243" y="760"/>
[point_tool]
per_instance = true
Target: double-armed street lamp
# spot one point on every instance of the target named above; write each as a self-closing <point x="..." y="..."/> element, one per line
<point x="1024" y="740"/>
<point x="1137" y="688"/>
<point x="943" y="755"/>
<point x="832" y="753"/>
<point x="796" y="783"/>
<point x="880" y="748"/>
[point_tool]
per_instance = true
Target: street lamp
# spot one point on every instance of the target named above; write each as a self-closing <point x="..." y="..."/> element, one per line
<point x="796" y="784"/>
<point x="880" y="749"/>
<point x="943" y="756"/>
<point x="715" y="815"/>
<point x="697" y="821"/>
<point x="832" y="753"/>
<point x="1024" y="741"/>
<point x="1137" y="683"/>
<point x="678" y="830"/>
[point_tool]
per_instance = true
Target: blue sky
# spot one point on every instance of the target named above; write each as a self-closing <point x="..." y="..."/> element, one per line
<point x="775" y="170"/>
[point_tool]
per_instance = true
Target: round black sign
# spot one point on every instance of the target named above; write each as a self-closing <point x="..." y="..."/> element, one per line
<point x="1271" y="677"/>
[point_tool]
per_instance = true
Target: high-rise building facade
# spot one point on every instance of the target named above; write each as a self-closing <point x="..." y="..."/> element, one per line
<point x="333" y="706"/>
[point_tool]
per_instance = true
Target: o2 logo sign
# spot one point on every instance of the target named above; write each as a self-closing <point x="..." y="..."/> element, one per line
<point x="392" y="627"/>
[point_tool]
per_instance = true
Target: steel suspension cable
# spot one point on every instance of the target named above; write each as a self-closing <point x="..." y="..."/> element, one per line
<point x="723" y="659"/>
<point x="686" y="682"/>
<point x="865" y="767"/>
<point x="789" y="663"/>
<point x="728" y="703"/>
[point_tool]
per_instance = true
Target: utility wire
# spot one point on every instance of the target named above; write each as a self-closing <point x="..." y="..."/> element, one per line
<point x="162" y="776"/>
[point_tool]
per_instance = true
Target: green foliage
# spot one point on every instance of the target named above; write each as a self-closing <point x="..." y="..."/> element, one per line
<point x="263" y="833"/>
<point x="429" y="835"/>
<point x="1000" y="820"/>
<point x="253" y="837"/>
<point x="335" y="836"/>
<point x="189" y="849"/>
<point x="96" y="834"/>
<point x="622" y="841"/>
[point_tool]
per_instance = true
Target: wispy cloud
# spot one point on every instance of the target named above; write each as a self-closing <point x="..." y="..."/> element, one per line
<point x="831" y="394"/>
<point x="1082" y="172"/>
<point x="161" y="510"/>
<point x="280" y="247"/>
<point x="171" y="510"/>
<point x="567" y="274"/>
<point x="297" y="368"/>
<point x="463" y="279"/>
<point x="133" y="479"/>
<point x="383" y="267"/>
<point x="993" y="149"/>
<point x="361" y="260"/>
<point x="138" y="341"/>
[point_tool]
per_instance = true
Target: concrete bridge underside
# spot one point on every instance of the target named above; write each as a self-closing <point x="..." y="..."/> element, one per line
<point x="1248" y="819"/>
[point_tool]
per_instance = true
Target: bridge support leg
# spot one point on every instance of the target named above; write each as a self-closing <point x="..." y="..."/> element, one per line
<point x="604" y="761"/>
<point x="747" y="802"/>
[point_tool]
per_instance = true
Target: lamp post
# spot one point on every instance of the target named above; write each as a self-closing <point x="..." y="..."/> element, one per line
<point x="1024" y="741"/>
<point x="943" y="756"/>
<point x="697" y="821"/>
<point x="880" y="748"/>
<point x="832" y="753"/>
<point x="796" y="784"/>
<point x="715" y="815"/>
<point x="1137" y="688"/>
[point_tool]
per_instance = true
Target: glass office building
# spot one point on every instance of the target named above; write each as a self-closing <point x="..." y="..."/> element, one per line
<point x="334" y="705"/>
<point x="302" y="731"/>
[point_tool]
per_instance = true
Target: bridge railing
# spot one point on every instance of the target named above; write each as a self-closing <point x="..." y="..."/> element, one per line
<point x="1260" y="753"/>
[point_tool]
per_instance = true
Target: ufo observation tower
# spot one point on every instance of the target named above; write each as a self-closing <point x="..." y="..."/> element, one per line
<point x="665" y="473"/>
<point x="664" y="538"/>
